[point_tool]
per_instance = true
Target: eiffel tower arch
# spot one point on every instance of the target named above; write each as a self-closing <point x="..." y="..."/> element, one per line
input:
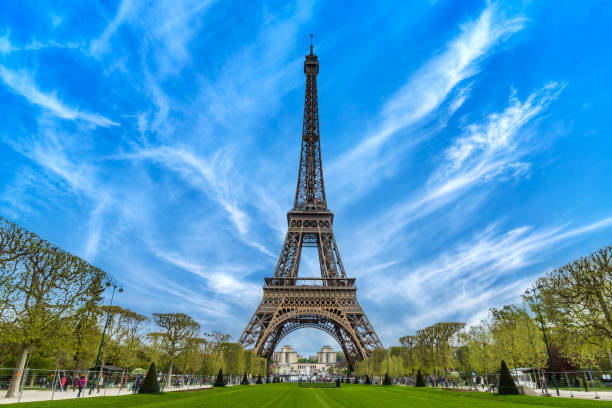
<point x="328" y="303"/>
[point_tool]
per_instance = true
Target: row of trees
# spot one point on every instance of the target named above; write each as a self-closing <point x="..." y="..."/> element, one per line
<point x="573" y="304"/>
<point x="51" y="317"/>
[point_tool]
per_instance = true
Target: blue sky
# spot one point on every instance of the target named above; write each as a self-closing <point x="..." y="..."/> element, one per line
<point x="466" y="146"/>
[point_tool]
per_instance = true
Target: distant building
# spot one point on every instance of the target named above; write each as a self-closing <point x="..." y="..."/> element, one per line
<point x="287" y="362"/>
<point x="326" y="355"/>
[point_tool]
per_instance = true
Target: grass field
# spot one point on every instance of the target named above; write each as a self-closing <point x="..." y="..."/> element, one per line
<point x="290" y="395"/>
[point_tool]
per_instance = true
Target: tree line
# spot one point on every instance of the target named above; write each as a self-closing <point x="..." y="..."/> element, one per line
<point x="52" y="316"/>
<point x="572" y="303"/>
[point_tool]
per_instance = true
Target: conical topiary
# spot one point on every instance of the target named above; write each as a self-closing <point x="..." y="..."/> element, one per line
<point x="419" y="380"/>
<point x="258" y="379"/>
<point x="219" y="381"/>
<point x="506" y="383"/>
<point x="150" y="385"/>
<point x="367" y="380"/>
<point x="245" y="380"/>
<point x="386" y="380"/>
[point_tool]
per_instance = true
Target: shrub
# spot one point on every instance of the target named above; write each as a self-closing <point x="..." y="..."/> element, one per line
<point x="367" y="380"/>
<point x="419" y="380"/>
<point x="150" y="385"/>
<point x="245" y="380"/>
<point x="386" y="380"/>
<point x="506" y="383"/>
<point x="259" y="380"/>
<point x="219" y="381"/>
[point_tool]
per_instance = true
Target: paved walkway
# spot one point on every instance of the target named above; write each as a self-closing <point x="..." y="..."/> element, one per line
<point x="46" y="395"/>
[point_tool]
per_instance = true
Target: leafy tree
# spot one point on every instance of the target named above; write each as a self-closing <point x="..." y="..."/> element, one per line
<point x="506" y="383"/>
<point x="44" y="289"/>
<point x="410" y="352"/>
<point x="578" y="298"/>
<point x="178" y="329"/>
<point x="480" y="345"/>
<point x="233" y="358"/>
<point x="150" y="385"/>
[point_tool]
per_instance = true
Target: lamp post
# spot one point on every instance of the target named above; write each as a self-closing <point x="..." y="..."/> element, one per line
<point x="535" y="298"/>
<point x="115" y="285"/>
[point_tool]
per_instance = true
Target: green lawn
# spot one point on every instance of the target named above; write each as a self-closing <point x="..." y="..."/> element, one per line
<point x="290" y="395"/>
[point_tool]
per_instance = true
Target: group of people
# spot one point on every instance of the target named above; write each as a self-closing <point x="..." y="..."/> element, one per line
<point x="64" y="381"/>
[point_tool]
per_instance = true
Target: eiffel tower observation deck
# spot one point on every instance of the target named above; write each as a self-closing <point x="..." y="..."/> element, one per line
<point x="328" y="303"/>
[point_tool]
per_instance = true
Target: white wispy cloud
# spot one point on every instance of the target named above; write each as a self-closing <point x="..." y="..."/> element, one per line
<point x="422" y="95"/>
<point x="475" y="275"/>
<point x="22" y="83"/>
<point x="224" y="280"/>
<point x="484" y="152"/>
<point x="165" y="30"/>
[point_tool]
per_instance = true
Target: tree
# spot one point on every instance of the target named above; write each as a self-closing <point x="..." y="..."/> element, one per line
<point x="578" y="298"/>
<point x="233" y="358"/>
<point x="121" y="336"/>
<point x="480" y="345"/>
<point x="419" y="379"/>
<point x="409" y="345"/>
<point x="220" y="382"/>
<point x="511" y="338"/>
<point x="150" y="385"/>
<point x="506" y="383"/>
<point x="44" y="290"/>
<point x="178" y="329"/>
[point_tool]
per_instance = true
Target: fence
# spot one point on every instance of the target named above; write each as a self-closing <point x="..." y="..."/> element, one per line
<point x="572" y="384"/>
<point x="44" y="385"/>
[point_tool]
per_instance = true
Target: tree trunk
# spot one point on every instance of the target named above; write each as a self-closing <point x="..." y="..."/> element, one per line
<point x="610" y="358"/>
<point x="19" y="371"/>
<point x="169" y="382"/>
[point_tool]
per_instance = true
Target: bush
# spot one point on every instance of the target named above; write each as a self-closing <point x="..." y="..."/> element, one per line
<point x="245" y="380"/>
<point x="506" y="383"/>
<point x="367" y="380"/>
<point x="219" y="381"/>
<point x="150" y="385"/>
<point x="386" y="380"/>
<point x="259" y="380"/>
<point x="419" y="380"/>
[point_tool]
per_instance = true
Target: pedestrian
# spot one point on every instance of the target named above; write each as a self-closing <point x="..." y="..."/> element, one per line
<point x="585" y="384"/>
<point x="136" y="384"/>
<point x="544" y="386"/>
<point x="81" y="384"/>
<point x="63" y="382"/>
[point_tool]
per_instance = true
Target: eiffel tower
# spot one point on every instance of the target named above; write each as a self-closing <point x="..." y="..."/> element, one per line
<point x="328" y="303"/>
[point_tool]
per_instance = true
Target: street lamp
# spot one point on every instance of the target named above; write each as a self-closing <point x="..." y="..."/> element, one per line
<point x="115" y="285"/>
<point x="535" y="298"/>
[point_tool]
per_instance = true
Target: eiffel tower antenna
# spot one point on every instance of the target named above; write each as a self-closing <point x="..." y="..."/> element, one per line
<point x="310" y="44"/>
<point x="328" y="303"/>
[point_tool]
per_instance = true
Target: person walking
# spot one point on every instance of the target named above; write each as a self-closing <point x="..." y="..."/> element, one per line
<point x="544" y="386"/>
<point x="136" y="384"/>
<point x="81" y="384"/>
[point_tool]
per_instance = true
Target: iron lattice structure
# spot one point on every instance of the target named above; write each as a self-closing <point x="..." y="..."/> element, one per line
<point x="328" y="303"/>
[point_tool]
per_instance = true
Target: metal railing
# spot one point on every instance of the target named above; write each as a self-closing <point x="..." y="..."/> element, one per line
<point x="47" y="385"/>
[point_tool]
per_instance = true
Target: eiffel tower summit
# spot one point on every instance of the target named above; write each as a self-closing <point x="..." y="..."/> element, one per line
<point x="328" y="303"/>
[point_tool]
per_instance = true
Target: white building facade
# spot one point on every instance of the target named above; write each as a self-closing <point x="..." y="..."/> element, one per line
<point x="287" y="362"/>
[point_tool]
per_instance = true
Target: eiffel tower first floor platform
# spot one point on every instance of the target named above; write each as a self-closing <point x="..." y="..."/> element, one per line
<point x="328" y="304"/>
